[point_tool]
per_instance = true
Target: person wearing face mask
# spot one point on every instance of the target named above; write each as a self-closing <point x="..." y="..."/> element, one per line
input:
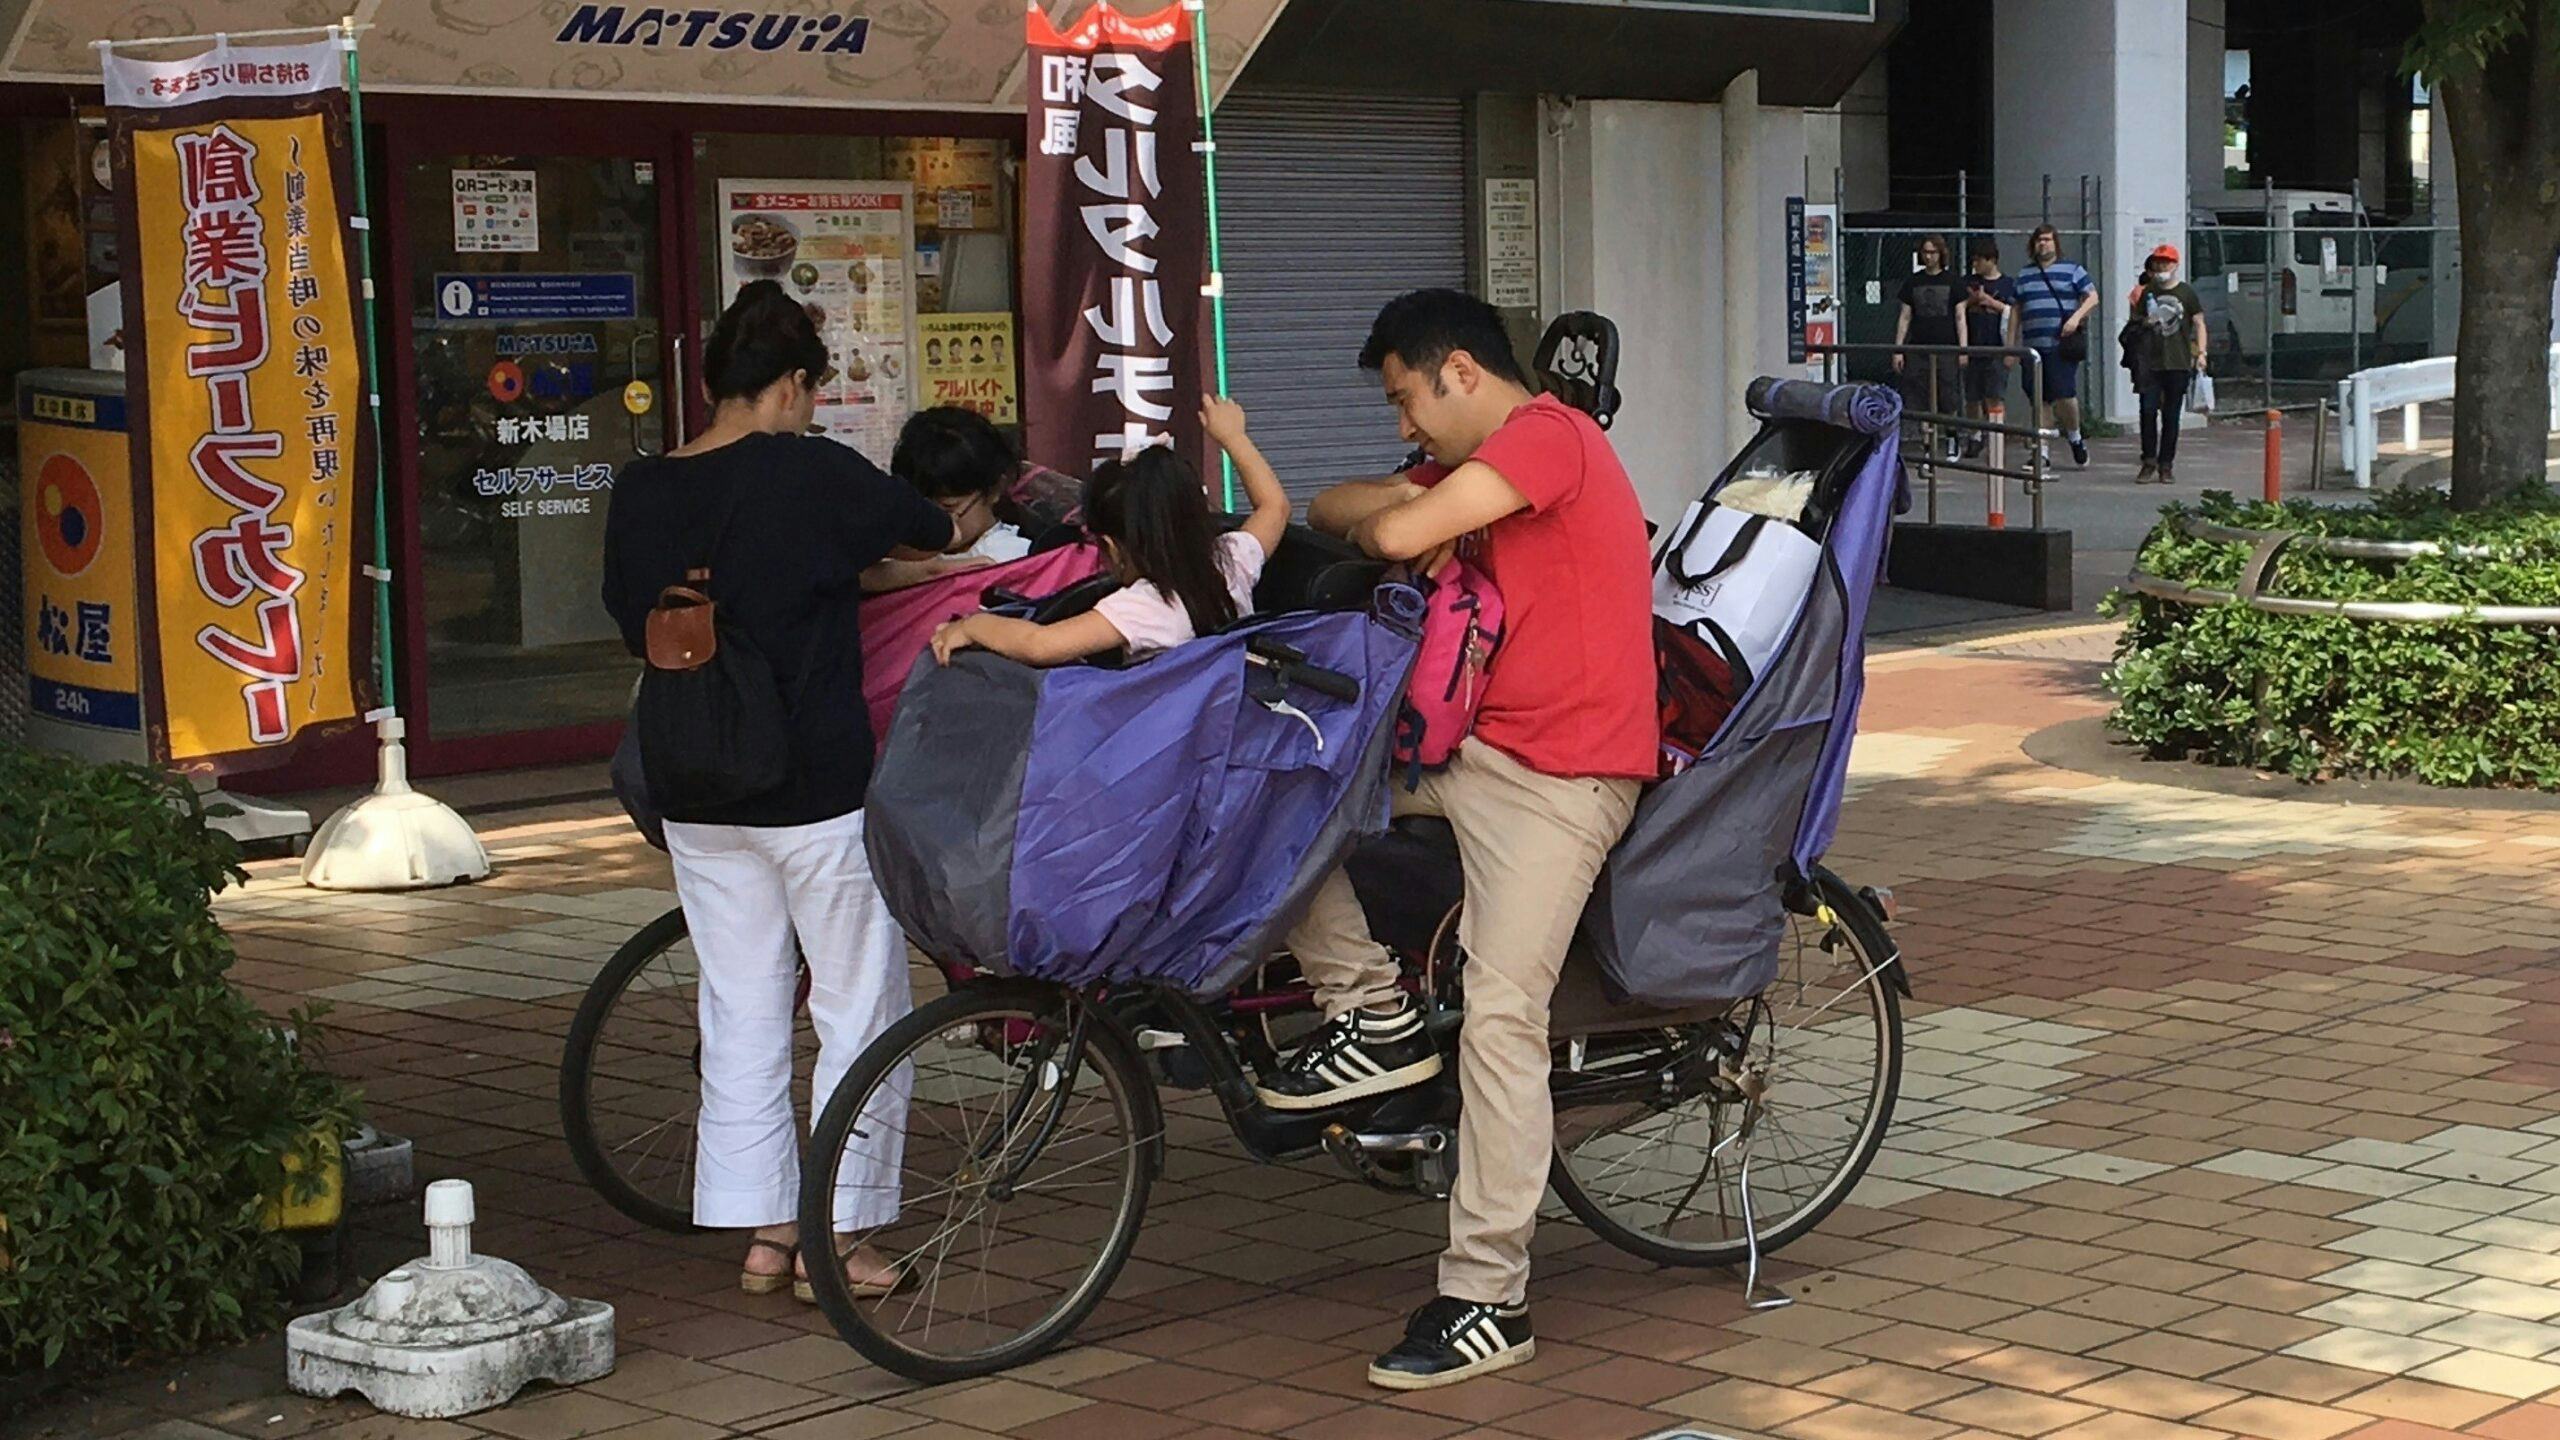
<point x="2055" y="299"/>
<point x="2167" y="334"/>
<point x="784" y="522"/>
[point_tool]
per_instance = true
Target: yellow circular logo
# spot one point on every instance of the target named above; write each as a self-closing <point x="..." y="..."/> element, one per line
<point x="637" y="397"/>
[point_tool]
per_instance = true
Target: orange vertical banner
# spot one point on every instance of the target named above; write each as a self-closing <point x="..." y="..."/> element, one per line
<point x="246" y="375"/>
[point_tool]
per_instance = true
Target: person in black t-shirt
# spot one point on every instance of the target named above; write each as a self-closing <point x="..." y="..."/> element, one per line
<point x="1930" y="302"/>
<point x="1991" y="319"/>
<point x="786" y="523"/>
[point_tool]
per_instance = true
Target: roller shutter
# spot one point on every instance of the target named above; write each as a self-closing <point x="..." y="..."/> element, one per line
<point x="1329" y="205"/>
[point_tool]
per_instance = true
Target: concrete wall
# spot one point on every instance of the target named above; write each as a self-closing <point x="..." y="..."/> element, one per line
<point x="1632" y="217"/>
<point x="2086" y="87"/>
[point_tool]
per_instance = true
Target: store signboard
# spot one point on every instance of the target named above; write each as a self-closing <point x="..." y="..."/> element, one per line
<point x="83" y="621"/>
<point x="937" y="54"/>
<point x="246" y="380"/>
<point x="1112" y="243"/>
<point x="845" y="250"/>
<point x="1770" y="9"/>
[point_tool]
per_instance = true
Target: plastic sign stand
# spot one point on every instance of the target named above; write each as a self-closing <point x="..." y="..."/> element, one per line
<point x="249" y="820"/>
<point x="450" y="1333"/>
<point x="394" y="838"/>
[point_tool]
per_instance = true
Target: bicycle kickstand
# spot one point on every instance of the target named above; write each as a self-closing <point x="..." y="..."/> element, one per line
<point x="1774" y="1298"/>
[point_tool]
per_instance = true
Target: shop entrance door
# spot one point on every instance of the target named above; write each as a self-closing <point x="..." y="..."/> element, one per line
<point x="531" y="300"/>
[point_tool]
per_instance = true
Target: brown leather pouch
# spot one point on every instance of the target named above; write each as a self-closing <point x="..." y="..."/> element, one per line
<point x="681" y="633"/>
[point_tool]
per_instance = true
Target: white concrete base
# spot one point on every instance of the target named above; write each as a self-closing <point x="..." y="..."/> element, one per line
<point x="450" y="1333"/>
<point x="394" y="838"/>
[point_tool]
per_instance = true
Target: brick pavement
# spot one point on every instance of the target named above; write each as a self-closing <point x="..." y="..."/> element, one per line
<point x="2223" y="1116"/>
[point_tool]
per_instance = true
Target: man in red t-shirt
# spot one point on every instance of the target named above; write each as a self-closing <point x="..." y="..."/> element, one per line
<point x="1537" y="795"/>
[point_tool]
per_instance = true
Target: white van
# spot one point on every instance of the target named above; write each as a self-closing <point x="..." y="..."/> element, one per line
<point x="2323" y="295"/>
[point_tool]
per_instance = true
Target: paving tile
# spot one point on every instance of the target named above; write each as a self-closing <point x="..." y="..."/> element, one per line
<point x="2384" y="1312"/>
<point x="1890" y="1386"/>
<point x="2371" y="1350"/>
<point x="2525" y="1422"/>
<point x="2422" y="1403"/>
<point x="559" y="1415"/>
<point x="2296" y="1379"/>
<point x="2026" y="1368"/>
<point x="2269" y="1418"/>
<point x="1747" y="1404"/>
<point x="2390" y="1277"/>
<point x="2148" y="1392"/>
<point x="2132" y="1427"/>
<point x="2011" y="1412"/>
<point x="2406" y="1246"/>
<point x="2503" y="1297"/>
<point x="997" y="1404"/>
<point x="2497" y="1374"/>
<point x="1859" y="1422"/>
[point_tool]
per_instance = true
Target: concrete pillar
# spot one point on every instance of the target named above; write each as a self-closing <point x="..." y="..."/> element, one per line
<point x="1633" y="213"/>
<point x="1746" y="247"/>
<point x="2085" y="88"/>
<point x="2207" y="39"/>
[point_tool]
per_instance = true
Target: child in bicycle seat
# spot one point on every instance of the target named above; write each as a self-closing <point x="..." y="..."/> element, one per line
<point x="1179" y="577"/>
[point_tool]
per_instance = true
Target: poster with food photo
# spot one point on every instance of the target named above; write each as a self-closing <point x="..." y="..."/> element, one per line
<point x="843" y="249"/>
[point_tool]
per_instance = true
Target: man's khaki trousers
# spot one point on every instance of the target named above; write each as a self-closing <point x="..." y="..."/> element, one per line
<point x="1530" y="846"/>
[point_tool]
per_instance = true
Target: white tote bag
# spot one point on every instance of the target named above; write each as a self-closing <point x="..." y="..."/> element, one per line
<point x="2200" y="395"/>
<point x="1737" y="581"/>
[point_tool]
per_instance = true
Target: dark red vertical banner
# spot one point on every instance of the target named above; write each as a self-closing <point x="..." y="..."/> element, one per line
<point x="1114" y="245"/>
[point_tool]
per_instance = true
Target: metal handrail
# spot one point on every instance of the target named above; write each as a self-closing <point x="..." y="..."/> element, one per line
<point x="2266" y="545"/>
<point x="2350" y="547"/>
<point x="2038" y="469"/>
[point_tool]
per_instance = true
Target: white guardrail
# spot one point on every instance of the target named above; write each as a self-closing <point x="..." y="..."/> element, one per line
<point x="2363" y="396"/>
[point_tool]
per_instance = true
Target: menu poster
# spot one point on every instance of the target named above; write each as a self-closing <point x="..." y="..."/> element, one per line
<point x="955" y="180"/>
<point x="968" y="362"/>
<point x="843" y="249"/>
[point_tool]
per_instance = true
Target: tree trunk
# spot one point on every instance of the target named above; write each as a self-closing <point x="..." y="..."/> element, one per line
<point x="2502" y="369"/>
<point x="2502" y="118"/>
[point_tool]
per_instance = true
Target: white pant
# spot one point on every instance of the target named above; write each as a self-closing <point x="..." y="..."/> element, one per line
<point x="747" y="890"/>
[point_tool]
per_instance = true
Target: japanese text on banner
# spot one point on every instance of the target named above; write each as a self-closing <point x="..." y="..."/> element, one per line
<point x="247" y="341"/>
<point x="1114" y="243"/>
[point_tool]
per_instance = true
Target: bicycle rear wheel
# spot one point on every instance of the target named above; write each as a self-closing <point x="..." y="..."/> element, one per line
<point x="1816" y="1061"/>
<point x="1014" y="1171"/>
<point x="630" y="1075"/>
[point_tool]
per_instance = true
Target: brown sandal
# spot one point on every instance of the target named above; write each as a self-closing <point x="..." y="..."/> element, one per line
<point x="807" y="1293"/>
<point x="757" y="1282"/>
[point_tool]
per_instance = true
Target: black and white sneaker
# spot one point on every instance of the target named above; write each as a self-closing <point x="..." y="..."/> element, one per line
<point x="1450" y="1340"/>
<point x="2080" y="453"/>
<point x="1353" y="1057"/>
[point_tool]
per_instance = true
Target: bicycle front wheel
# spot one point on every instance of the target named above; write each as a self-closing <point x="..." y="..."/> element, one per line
<point x="1809" y="1071"/>
<point x="995" y="1148"/>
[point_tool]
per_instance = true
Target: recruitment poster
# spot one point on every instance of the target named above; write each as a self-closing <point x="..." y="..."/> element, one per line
<point x="245" y="379"/>
<point x="1113" y="255"/>
<point x="968" y="362"/>
<point x="842" y="249"/>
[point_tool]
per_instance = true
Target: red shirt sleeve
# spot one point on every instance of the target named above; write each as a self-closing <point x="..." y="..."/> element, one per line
<point x="1539" y="453"/>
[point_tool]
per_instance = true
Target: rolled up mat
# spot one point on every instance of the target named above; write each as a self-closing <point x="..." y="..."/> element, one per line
<point x="1867" y="409"/>
<point x="1400" y="606"/>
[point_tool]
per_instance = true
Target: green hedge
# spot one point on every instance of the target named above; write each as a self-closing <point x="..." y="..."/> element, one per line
<point x="146" y="1107"/>
<point x="2315" y="698"/>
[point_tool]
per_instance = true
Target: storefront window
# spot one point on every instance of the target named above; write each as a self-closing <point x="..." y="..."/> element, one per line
<point x="896" y="244"/>
<point x="535" y="319"/>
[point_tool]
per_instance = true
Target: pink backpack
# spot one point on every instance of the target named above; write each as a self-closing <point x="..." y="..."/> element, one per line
<point x="1461" y="633"/>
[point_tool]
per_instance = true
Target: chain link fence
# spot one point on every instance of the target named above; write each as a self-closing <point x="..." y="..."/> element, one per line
<point x="2295" y="306"/>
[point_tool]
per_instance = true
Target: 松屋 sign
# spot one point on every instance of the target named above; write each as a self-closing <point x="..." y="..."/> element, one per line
<point x="247" y="379"/>
<point x="1113" y="240"/>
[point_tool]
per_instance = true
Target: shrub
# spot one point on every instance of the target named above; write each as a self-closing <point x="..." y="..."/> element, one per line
<point x="146" y="1107"/>
<point x="2318" y="697"/>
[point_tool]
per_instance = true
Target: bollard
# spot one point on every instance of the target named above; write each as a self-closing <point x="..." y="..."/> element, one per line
<point x="2275" y="457"/>
<point x="1995" y="487"/>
